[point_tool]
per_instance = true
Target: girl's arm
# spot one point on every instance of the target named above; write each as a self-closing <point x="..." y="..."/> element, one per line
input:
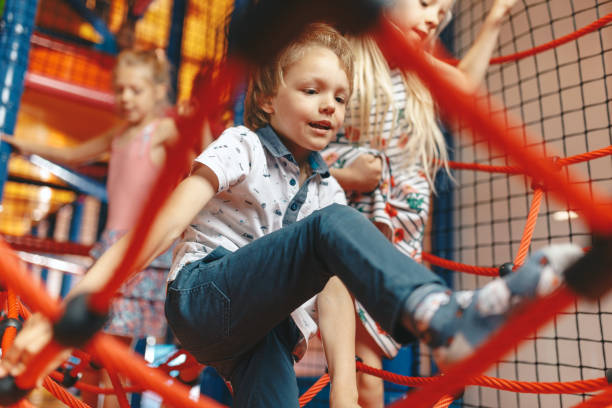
<point x="72" y="155"/>
<point x="471" y="70"/>
<point x="337" y="327"/>
<point x="189" y="197"/>
<point x="476" y="61"/>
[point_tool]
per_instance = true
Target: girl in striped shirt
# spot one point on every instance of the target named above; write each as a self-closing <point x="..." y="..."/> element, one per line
<point x="391" y="146"/>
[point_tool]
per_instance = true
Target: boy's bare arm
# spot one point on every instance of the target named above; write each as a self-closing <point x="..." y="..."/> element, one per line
<point x="184" y="203"/>
<point x="337" y="326"/>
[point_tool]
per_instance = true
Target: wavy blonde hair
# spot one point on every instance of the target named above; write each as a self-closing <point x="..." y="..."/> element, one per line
<point x="372" y="82"/>
<point x="265" y="80"/>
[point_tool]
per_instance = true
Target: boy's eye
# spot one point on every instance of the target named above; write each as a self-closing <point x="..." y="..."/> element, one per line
<point x="424" y="3"/>
<point x="310" y="91"/>
<point x="340" y="99"/>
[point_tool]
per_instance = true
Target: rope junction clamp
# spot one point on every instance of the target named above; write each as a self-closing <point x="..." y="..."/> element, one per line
<point x="591" y="275"/>
<point x="79" y="323"/>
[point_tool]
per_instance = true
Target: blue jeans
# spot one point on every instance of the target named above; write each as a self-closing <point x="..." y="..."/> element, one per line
<point x="231" y="309"/>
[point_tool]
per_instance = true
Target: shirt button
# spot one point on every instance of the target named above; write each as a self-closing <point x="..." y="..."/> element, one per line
<point x="292" y="182"/>
<point x="293" y="207"/>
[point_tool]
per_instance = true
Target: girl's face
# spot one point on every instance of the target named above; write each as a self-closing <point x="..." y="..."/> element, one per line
<point x="136" y="95"/>
<point x="419" y="19"/>
<point x="308" y="107"/>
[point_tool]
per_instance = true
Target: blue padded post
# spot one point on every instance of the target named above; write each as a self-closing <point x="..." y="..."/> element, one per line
<point x="16" y="28"/>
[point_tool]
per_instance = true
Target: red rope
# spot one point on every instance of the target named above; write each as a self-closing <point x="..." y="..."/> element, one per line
<point x="596" y="25"/>
<point x="596" y="154"/>
<point x="37" y="366"/>
<point x="532" y="218"/>
<point x="13" y="313"/>
<point x="578" y="158"/>
<point x="456" y="266"/>
<point x="119" y="390"/>
<point x="30" y="289"/>
<point x="314" y="390"/>
<point x="570" y="387"/>
<point x="116" y="357"/>
<point x="59" y="377"/>
<point x="61" y="394"/>
<point x="444" y="402"/>
<point x="602" y="400"/>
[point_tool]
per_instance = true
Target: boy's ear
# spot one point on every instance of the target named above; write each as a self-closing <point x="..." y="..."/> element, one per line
<point x="266" y="105"/>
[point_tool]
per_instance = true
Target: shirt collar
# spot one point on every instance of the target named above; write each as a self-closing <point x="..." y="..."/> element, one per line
<point x="270" y="140"/>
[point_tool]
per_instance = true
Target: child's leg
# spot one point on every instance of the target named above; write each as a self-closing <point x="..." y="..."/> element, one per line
<point x="371" y="388"/>
<point x="336" y="312"/>
<point x="265" y="377"/>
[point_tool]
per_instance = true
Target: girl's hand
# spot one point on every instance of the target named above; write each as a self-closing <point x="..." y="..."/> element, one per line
<point x="13" y="142"/>
<point x="500" y="9"/>
<point x="364" y="173"/>
<point x="35" y="334"/>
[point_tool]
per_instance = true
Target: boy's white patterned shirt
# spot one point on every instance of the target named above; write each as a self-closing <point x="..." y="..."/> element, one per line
<point x="259" y="193"/>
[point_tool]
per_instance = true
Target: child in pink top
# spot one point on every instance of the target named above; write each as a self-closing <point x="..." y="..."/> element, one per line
<point x="141" y="82"/>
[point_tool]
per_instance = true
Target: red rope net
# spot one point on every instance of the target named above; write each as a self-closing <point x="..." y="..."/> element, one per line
<point x="434" y="391"/>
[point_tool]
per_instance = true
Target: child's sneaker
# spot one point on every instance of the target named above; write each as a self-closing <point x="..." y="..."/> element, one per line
<point x="453" y="324"/>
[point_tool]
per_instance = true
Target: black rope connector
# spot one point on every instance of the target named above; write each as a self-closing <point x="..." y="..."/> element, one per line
<point x="68" y="379"/>
<point x="9" y="322"/>
<point x="506" y="269"/>
<point x="591" y="275"/>
<point x="609" y="376"/>
<point x="95" y="366"/>
<point x="79" y="323"/>
<point x="10" y="393"/>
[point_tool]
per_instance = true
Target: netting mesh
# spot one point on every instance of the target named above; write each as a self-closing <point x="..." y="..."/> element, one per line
<point x="563" y="95"/>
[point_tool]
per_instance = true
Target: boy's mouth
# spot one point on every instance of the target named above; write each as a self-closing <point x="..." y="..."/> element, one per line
<point x="324" y="125"/>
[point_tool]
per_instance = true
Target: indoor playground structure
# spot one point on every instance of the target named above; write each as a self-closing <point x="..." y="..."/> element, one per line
<point x="531" y="165"/>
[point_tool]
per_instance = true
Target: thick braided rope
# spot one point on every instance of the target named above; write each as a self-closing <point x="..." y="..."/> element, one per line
<point x="61" y="394"/>
<point x="314" y="390"/>
<point x="570" y="387"/>
<point x="532" y="218"/>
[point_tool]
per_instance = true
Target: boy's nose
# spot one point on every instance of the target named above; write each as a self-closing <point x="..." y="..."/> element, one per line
<point x="328" y="106"/>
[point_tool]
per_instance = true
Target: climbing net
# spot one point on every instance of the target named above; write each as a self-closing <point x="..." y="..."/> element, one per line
<point x="548" y="176"/>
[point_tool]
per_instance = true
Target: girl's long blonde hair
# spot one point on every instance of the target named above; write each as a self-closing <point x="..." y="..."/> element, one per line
<point x="373" y="93"/>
